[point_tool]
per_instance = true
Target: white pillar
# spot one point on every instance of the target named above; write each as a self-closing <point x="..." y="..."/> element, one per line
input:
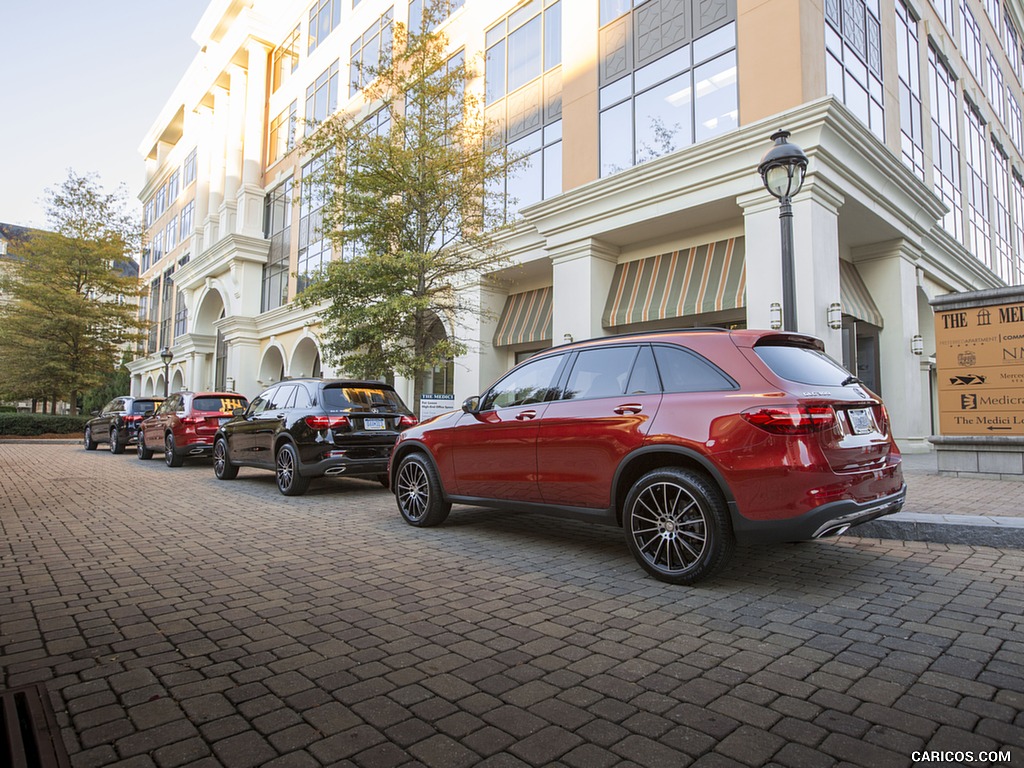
<point x="582" y="273"/>
<point x="250" y="195"/>
<point x="482" y="363"/>
<point x="215" y="193"/>
<point x="889" y="271"/>
<point x="233" y="138"/>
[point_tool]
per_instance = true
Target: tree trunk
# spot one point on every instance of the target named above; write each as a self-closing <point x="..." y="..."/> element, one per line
<point x="73" y="410"/>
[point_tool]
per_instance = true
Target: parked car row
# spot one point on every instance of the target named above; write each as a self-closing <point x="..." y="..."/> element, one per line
<point x="689" y="440"/>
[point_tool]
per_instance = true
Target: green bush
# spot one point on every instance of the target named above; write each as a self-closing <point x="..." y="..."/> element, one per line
<point x="27" y="424"/>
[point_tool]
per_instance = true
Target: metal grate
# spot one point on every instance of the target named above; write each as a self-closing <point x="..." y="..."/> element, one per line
<point x="29" y="736"/>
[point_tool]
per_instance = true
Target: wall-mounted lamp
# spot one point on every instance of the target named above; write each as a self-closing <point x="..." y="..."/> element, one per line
<point x="917" y="344"/>
<point x="775" y="315"/>
<point x="834" y="315"/>
<point x="567" y="338"/>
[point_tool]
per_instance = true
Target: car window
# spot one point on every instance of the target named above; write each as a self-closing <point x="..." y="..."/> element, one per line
<point x="111" y="406"/>
<point x="684" y="371"/>
<point x="532" y="382"/>
<point x="261" y="403"/>
<point x="301" y="398"/>
<point x="803" y="365"/>
<point x="340" y="397"/>
<point x="172" y="404"/>
<point x="644" y="379"/>
<point x="600" y="372"/>
<point x="278" y="401"/>
<point x="141" y="406"/>
<point x="219" y="404"/>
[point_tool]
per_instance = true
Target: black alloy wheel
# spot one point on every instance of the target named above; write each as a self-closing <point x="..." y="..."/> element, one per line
<point x="171" y="457"/>
<point x="289" y="481"/>
<point x="116" y="446"/>
<point x="418" y="492"/>
<point x="90" y="444"/>
<point x="677" y="525"/>
<point x="223" y="469"/>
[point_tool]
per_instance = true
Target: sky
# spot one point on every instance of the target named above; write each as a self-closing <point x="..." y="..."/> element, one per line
<point x="81" y="85"/>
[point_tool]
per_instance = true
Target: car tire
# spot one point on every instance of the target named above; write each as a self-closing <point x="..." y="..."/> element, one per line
<point x="140" y="446"/>
<point x="171" y="457"/>
<point x="286" y="467"/>
<point x="677" y="525"/>
<point x="116" y="446"/>
<point x="90" y="444"/>
<point x="222" y="466"/>
<point x="419" y="494"/>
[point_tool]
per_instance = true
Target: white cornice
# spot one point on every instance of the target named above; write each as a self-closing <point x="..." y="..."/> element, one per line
<point x="218" y="259"/>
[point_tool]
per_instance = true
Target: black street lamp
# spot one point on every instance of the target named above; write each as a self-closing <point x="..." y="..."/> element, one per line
<point x="782" y="170"/>
<point x="166" y="355"/>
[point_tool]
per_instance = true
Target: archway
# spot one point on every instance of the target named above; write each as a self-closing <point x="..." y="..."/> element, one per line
<point x="147" y="387"/>
<point x="272" y="367"/>
<point x="177" y="381"/>
<point x="306" y="359"/>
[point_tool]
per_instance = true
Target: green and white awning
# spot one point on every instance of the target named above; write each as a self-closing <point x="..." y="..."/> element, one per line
<point x="691" y="281"/>
<point x="856" y="297"/>
<point x="525" y="319"/>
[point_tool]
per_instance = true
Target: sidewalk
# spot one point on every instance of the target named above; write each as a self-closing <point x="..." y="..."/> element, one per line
<point x="952" y="510"/>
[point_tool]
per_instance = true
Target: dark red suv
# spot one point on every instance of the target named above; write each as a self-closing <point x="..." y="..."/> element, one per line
<point x="183" y="427"/>
<point x="691" y="440"/>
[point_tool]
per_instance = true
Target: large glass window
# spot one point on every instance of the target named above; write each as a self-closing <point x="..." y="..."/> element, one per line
<point x="1017" y="196"/>
<point x="369" y="50"/>
<point x="285" y="60"/>
<point x="522" y="46"/>
<point x="977" y="185"/>
<point x="282" y="133"/>
<point x="180" y="316"/>
<point x="277" y="229"/>
<point x="671" y="98"/>
<point x="945" y="142"/>
<point x="1011" y="44"/>
<point x="322" y="97"/>
<point x="154" y="317"/>
<point x="324" y="16"/>
<point x="157" y="246"/>
<point x="188" y="215"/>
<point x="173" y="186"/>
<point x="314" y="247"/>
<point x="190" y="168"/>
<point x="909" y="66"/>
<point x="166" y="307"/>
<point x="171" y="234"/>
<point x="992" y="9"/>
<point x="995" y="89"/>
<point x="1002" y="235"/>
<point x="161" y="201"/>
<point x="853" y="59"/>
<point x="946" y="9"/>
<point x="420" y="12"/>
<point x="970" y="41"/>
<point x="1014" y="121"/>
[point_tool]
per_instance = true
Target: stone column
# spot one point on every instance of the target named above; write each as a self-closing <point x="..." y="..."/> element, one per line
<point x="582" y="273"/>
<point x="250" y="194"/>
<point x="482" y="363"/>
<point x="215" y="196"/>
<point x="233" y="138"/>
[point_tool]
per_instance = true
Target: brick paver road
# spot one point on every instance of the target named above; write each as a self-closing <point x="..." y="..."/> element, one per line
<point x="178" y="620"/>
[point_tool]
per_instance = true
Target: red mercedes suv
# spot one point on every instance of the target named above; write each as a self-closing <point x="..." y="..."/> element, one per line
<point x="183" y="427"/>
<point x="690" y="440"/>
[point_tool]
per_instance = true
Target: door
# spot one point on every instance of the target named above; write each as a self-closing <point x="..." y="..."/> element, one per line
<point x="494" y="450"/>
<point x="241" y="434"/>
<point x="604" y="413"/>
<point x="163" y="419"/>
<point x="268" y="422"/>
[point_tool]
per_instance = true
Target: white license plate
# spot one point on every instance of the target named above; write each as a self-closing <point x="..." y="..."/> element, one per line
<point x="861" y="421"/>
<point x="373" y="424"/>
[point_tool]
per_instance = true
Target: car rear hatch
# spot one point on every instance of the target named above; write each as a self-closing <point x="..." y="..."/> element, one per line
<point x="210" y="411"/>
<point x="849" y="421"/>
<point x="372" y="413"/>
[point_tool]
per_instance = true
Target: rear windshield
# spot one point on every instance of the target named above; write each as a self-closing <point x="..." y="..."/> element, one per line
<point x="360" y="398"/>
<point x="219" y="404"/>
<point x="141" y="406"/>
<point x="806" y="366"/>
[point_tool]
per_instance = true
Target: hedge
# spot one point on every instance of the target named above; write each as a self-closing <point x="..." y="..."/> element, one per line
<point x="41" y="424"/>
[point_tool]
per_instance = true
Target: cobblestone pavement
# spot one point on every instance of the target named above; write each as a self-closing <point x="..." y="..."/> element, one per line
<point x="177" y="620"/>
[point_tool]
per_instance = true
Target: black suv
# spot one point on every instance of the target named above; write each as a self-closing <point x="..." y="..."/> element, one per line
<point x="306" y="428"/>
<point x="118" y="422"/>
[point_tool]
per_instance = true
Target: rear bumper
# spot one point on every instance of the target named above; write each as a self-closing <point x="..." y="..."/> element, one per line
<point x="345" y="467"/>
<point x="829" y="519"/>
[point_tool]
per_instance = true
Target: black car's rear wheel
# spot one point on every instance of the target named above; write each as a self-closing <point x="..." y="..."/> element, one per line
<point x="222" y="466"/>
<point x="418" y="492"/>
<point x="90" y="444"/>
<point x="116" y="446"/>
<point x="171" y="457"/>
<point x="677" y="525"/>
<point x="289" y="481"/>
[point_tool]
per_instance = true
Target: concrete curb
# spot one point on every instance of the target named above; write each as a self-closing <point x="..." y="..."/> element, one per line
<point x="973" y="530"/>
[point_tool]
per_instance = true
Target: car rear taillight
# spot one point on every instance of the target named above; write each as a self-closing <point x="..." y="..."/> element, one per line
<point x="791" y="419"/>
<point x="326" y="422"/>
<point x="408" y="421"/>
<point x="191" y="422"/>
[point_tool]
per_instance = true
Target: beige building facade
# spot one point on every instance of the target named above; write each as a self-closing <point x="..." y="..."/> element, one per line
<point x="641" y="208"/>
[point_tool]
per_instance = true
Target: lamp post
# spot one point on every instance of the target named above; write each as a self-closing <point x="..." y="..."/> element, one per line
<point x="166" y="355"/>
<point x="782" y="170"/>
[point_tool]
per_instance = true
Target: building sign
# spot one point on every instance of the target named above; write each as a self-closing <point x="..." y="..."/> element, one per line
<point x="980" y="364"/>
<point x="435" y="405"/>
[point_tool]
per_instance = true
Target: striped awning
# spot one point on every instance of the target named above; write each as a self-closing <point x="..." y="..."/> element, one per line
<point x="525" y="319"/>
<point x="855" y="296"/>
<point x="691" y="281"/>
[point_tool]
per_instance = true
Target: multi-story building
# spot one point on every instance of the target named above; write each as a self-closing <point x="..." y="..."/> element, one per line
<point x="642" y="206"/>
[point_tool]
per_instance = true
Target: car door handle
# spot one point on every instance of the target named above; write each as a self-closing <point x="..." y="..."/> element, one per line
<point x="629" y="408"/>
<point x="526" y="415"/>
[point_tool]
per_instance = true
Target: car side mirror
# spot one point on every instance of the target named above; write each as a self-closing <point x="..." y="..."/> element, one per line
<point x="238" y="411"/>
<point x="471" y="404"/>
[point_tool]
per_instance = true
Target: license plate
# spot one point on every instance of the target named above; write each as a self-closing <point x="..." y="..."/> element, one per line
<point x="861" y="421"/>
<point x="373" y="424"/>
